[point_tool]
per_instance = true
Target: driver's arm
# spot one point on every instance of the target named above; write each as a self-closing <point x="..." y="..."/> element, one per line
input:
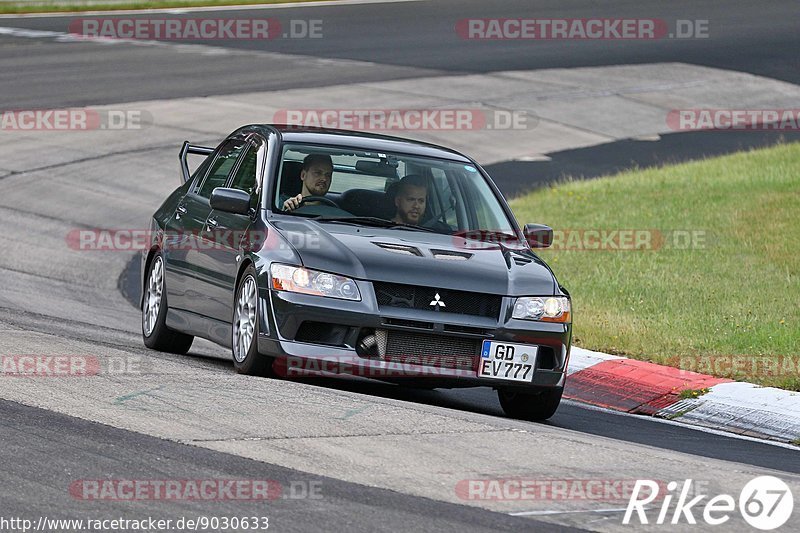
<point x="292" y="202"/>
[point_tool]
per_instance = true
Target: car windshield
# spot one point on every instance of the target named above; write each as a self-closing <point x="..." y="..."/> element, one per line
<point x="389" y="190"/>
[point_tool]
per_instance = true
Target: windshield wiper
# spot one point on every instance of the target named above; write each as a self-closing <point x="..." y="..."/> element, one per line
<point x="374" y="221"/>
<point x="367" y="221"/>
<point x="413" y="227"/>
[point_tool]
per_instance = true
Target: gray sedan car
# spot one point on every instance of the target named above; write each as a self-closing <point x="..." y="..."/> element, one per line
<point x="313" y="252"/>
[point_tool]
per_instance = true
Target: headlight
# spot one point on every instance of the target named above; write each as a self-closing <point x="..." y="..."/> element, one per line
<point x="306" y="281"/>
<point x="545" y="308"/>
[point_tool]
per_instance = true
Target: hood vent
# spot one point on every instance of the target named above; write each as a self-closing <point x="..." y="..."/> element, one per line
<point x="399" y="248"/>
<point x="449" y="255"/>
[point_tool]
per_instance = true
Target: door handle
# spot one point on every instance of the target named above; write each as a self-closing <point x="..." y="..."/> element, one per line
<point x="212" y="223"/>
<point x="180" y="211"/>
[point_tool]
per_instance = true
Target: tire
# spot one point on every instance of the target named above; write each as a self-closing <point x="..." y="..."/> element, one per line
<point x="244" y="329"/>
<point x="155" y="333"/>
<point x="530" y="406"/>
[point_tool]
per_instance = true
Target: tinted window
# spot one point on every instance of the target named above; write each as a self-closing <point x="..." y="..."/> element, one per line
<point x="201" y="170"/>
<point x="221" y="168"/>
<point x="245" y="178"/>
<point x="458" y="196"/>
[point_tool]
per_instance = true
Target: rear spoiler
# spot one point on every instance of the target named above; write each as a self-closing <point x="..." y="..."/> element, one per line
<point x="193" y="149"/>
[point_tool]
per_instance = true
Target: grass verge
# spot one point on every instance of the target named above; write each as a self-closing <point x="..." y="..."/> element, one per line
<point x="56" y="6"/>
<point x="716" y="291"/>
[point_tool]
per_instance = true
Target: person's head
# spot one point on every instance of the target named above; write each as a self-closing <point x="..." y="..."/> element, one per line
<point x="316" y="174"/>
<point x="411" y="199"/>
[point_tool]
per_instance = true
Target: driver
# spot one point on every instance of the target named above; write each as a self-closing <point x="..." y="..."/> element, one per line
<point x="410" y="199"/>
<point x="316" y="177"/>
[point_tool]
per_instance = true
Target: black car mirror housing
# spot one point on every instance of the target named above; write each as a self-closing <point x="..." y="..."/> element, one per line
<point x="538" y="235"/>
<point x="230" y="200"/>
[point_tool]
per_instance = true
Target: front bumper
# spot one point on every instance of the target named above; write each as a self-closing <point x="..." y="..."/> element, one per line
<point x="333" y="345"/>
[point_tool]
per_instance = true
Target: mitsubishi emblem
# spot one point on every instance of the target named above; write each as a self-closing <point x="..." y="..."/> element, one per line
<point x="437" y="302"/>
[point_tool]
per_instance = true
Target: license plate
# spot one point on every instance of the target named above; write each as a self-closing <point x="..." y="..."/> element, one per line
<point x="506" y="360"/>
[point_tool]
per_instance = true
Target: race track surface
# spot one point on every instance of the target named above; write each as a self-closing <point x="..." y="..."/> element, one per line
<point x="385" y="458"/>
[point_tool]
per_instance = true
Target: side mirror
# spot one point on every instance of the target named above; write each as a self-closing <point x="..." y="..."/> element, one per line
<point x="230" y="201"/>
<point x="538" y="235"/>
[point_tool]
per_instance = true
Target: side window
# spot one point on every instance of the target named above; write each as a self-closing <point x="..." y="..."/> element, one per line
<point x="218" y="174"/>
<point x="201" y="170"/>
<point x="245" y="178"/>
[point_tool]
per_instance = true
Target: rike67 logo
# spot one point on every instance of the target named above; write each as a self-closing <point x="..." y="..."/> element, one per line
<point x="766" y="503"/>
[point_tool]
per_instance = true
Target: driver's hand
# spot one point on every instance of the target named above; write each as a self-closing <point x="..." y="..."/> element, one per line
<point x="292" y="203"/>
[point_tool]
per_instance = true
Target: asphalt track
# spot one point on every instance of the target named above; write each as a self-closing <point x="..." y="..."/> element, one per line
<point x="48" y="447"/>
<point x="55" y="302"/>
<point x="402" y="40"/>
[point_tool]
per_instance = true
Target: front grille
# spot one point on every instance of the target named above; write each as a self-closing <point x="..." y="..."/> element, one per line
<point x="441" y="351"/>
<point x="469" y="330"/>
<point x="407" y="323"/>
<point x="458" y="302"/>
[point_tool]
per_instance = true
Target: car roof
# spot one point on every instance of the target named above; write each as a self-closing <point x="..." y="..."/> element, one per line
<point x="355" y="139"/>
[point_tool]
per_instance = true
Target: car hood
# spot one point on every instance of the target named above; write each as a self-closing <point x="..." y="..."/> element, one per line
<point x="417" y="258"/>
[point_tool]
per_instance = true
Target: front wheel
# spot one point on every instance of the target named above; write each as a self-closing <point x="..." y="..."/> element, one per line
<point x="244" y="329"/>
<point x="530" y="406"/>
<point x="155" y="333"/>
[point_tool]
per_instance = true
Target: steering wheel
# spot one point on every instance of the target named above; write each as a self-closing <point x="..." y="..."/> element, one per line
<point x="321" y="199"/>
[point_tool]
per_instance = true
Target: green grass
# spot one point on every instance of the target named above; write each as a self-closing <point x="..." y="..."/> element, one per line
<point x="692" y="393"/>
<point x="53" y="6"/>
<point x="737" y="297"/>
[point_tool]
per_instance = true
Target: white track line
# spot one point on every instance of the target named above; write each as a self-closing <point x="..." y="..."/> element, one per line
<point x="546" y="513"/>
